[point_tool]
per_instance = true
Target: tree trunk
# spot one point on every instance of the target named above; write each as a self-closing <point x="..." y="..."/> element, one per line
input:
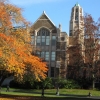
<point x="93" y="82"/>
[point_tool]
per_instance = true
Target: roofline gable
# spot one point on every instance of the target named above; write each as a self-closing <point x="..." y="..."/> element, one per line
<point x="42" y="19"/>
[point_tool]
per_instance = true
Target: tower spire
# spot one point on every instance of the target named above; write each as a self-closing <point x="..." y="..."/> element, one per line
<point x="77" y="4"/>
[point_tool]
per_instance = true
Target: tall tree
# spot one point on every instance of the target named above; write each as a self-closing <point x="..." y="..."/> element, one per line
<point x="92" y="48"/>
<point x="15" y="47"/>
<point x="87" y="51"/>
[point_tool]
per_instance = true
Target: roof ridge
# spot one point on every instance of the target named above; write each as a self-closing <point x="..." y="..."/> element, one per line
<point x="46" y="16"/>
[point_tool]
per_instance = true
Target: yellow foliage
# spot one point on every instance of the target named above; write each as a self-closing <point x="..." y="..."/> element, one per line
<point x="15" y="50"/>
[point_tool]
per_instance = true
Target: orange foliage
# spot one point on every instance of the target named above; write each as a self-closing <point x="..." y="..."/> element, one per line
<point x="15" y="50"/>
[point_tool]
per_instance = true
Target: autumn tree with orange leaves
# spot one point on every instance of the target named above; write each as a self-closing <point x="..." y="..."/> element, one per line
<point x="15" y="47"/>
<point x="86" y="53"/>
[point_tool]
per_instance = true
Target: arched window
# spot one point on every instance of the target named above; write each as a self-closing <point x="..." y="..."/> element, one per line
<point x="44" y="37"/>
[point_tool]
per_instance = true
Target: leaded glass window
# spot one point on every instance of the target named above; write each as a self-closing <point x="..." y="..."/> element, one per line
<point x="47" y="56"/>
<point x="53" y="40"/>
<point x="43" y="40"/>
<point x="42" y="54"/>
<point x="53" y="56"/>
<point x="38" y="42"/>
<point x="43" y="37"/>
<point x="47" y="40"/>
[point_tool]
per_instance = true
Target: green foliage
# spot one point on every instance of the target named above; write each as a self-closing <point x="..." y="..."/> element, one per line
<point x="68" y="84"/>
<point x="47" y="83"/>
<point x="71" y="84"/>
<point x="51" y="83"/>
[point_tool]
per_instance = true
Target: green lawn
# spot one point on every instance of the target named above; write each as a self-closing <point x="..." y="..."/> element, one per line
<point x="51" y="92"/>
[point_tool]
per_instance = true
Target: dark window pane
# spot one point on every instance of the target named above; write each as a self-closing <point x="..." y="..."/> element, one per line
<point x="53" y="41"/>
<point x="52" y="71"/>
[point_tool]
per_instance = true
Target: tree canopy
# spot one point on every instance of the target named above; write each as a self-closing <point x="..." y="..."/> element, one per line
<point x="85" y="54"/>
<point x="15" y="46"/>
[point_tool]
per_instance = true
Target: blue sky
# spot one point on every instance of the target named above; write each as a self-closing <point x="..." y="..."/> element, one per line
<point x="58" y="11"/>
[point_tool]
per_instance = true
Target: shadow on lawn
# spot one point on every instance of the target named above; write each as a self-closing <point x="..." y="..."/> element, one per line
<point x="15" y="97"/>
<point x="46" y="93"/>
<point x="60" y="97"/>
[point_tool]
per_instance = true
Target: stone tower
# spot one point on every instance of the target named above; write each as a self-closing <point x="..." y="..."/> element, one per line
<point x="76" y="34"/>
<point x="76" y="20"/>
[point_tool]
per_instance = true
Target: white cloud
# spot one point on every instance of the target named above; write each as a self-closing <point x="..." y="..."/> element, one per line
<point x="29" y="2"/>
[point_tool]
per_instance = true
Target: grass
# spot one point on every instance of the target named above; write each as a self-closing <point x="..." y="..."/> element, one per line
<point x="50" y="94"/>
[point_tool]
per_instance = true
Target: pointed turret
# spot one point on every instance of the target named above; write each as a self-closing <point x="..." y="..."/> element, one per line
<point x="77" y="4"/>
<point x="76" y="19"/>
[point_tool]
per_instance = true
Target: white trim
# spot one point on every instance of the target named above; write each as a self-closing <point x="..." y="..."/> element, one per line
<point x="49" y="19"/>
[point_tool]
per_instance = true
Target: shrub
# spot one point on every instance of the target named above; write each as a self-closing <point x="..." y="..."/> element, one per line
<point x="68" y="84"/>
<point x="71" y="84"/>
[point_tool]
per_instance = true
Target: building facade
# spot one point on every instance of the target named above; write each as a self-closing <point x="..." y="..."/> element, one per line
<point x="60" y="51"/>
<point x="50" y="43"/>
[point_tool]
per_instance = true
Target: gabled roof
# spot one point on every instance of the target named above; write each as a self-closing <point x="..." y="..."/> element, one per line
<point x="44" y="17"/>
